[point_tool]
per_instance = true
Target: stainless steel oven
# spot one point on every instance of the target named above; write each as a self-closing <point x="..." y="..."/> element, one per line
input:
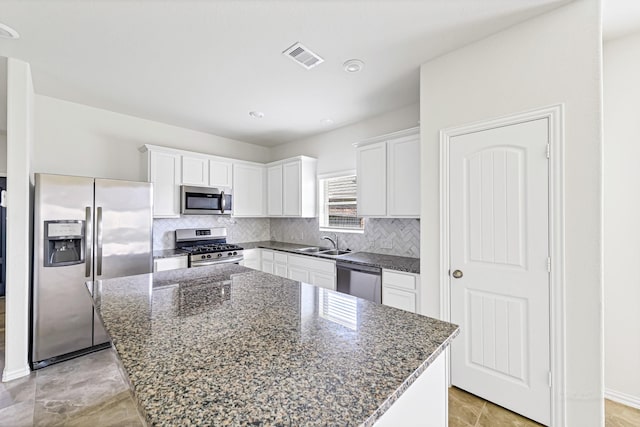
<point x="205" y="201"/>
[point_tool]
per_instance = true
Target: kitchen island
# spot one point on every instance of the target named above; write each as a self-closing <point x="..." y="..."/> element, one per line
<point x="225" y="345"/>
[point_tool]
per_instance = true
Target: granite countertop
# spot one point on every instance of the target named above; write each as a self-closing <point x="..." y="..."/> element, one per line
<point x="169" y="253"/>
<point x="391" y="262"/>
<point x="226" y="345"/>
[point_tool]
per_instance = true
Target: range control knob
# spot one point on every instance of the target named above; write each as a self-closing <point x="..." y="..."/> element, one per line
<point x="230" y="253"/>
<point x="219" y="255"/>
<point x="208" y="256"/>
<point x="202" y="256"/>
<point x="235" y="253"/>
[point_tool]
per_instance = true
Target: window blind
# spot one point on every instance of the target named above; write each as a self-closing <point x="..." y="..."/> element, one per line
<point x="341" y="204"/>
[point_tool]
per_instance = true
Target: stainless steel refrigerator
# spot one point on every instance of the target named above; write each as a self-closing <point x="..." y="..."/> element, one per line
<point x="84" y="229"/>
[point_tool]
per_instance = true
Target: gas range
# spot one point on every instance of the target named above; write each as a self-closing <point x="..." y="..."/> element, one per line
<point x="207" y="246"/>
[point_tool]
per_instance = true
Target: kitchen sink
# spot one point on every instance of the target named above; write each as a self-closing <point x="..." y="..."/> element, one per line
<point x="334" y="252"/>
<point x="312" y="250"/>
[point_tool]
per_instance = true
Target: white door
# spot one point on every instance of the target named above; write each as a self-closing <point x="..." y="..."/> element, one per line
<point x="499" y="238"/>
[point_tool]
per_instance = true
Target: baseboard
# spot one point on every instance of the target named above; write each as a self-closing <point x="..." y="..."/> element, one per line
<point x="625" y="399"/>
<point x="15" y="374"/>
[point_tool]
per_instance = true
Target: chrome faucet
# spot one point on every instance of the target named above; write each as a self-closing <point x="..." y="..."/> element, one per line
<point x="335" y="242"/>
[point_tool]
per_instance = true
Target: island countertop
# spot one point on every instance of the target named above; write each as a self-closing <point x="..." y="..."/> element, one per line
<point x="226" y="345"/>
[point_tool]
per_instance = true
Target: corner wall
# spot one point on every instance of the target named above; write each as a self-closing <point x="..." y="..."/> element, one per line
<point x="75" y="139"/>
<point x="334" y="149"/>
<point x="20" y="126"/>
<point x="551" y="59"/>
<point x="622" y="219"/>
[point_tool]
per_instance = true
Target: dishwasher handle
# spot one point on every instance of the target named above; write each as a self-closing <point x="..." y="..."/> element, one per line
<point x="359" y="267"/>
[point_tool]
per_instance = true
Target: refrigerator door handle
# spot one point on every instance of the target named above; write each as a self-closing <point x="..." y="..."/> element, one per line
<point x="88" y="232"/>
<point x="99" y="241"/>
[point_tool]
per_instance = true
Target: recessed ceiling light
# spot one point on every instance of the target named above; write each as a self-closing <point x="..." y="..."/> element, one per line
<point x="326" y="122"/>
<point x="7" y="32"/>
<point x="353" y="65"/>
<point x="256" y="114"/>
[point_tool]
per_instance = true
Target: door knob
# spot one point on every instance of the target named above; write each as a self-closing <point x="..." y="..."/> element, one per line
<point x="457" y="274"/>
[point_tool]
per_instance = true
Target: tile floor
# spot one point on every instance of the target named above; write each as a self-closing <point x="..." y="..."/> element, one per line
<point x="90" y="391"/>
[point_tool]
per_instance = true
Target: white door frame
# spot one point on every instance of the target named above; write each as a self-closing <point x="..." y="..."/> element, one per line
<point x="555" y="115"/>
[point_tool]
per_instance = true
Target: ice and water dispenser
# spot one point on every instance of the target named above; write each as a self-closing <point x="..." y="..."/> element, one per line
<point x="63" y="243"/>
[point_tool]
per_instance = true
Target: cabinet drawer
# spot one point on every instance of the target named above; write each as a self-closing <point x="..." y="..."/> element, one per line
<point x="163" y="264"/>
<point x="267" y="255"/>
<point x="397" y="298"/>
<point x="311" y="263"/>
<point x="280" y="257"/>
<point x="399" y="280"/>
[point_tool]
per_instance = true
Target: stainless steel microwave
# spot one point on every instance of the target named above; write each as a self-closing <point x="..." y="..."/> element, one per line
<point x="205" y="201"/>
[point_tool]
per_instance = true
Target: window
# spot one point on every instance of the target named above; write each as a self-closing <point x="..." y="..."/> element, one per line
<point x="338" y="204"/>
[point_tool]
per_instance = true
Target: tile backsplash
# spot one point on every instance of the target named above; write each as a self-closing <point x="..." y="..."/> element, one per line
<point x="395" y="236"/>
<point x="238" y="229"/>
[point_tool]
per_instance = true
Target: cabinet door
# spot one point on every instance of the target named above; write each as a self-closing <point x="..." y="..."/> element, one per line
<point x="291" y="197"/>
<point x="397" y="298"/>
<point x="403" y="177"/>
<point x="164" y="173"/>
<point x="249" y="189"/>
<point x="220" y="174"/>
<point x="280" y="270"/>
<point x="195" y="171"/>
<point x="371" y="164"/>
<point x="299" y="274"/>
<point x="324" y="280"/>
<point x="274" y="190"/>
<point x="268" y="266"/>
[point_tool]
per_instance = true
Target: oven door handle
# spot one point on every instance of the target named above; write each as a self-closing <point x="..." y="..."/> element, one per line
<point x="230" y="260"/>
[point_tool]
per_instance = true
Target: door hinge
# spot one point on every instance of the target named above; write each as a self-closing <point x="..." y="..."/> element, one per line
<point x="550" y="383"/>
<point x="549" y="264"/>
<point x="548" y="151"/>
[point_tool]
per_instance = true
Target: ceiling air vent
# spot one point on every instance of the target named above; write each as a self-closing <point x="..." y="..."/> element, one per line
<point x="303" y="56"/>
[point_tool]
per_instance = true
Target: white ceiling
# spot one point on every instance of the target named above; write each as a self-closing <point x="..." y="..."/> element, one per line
<point x="205" y="64"/>
<point x="620" y="17"/>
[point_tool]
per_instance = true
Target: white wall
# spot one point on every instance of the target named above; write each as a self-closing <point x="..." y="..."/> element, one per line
<point x="334" y="149"/>
<point x="622" y="218"/>
<point x="3" y="152"/>
<point x="75" y="139"/>
<point x="554" y="58"/>
<point x="19" y="190"/>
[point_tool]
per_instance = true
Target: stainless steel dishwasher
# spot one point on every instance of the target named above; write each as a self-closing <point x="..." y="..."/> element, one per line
<point x="360" y="280"/>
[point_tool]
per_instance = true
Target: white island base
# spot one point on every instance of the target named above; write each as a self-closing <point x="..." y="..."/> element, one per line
<point x="424" y="403"/>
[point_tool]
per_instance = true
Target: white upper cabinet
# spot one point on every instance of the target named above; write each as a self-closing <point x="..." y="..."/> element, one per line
<point x="403" y="176"/>
<point x="195" y="171"/>
<point x="220" y="174"/>
<point x="274" y="190"/>
<point x="371" y="166"/>
<point x="249" y="188"/>
<point x="291" y="189"/>
<point x="163" y="170"/>
<point x="388" y="171"/>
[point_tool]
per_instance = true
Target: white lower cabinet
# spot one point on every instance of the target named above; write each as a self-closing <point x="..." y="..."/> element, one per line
<point x="172" y="263"/>
<point x="315" y="271"/>
<point x="299" y="274"/>
<point x="274" y="262"/>
<point x="324" y="280"/>
<point x="252" y="259"/>
<point x="400" y="290"/>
